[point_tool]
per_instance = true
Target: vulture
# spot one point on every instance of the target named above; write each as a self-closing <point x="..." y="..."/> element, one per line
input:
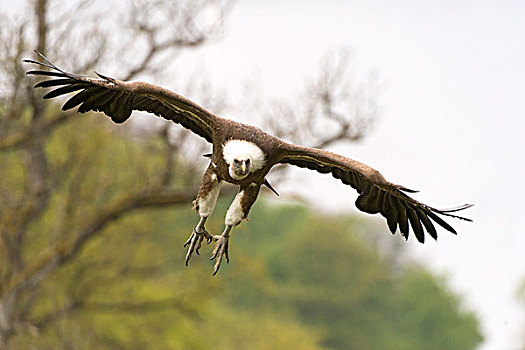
<point x="242" y="155"/>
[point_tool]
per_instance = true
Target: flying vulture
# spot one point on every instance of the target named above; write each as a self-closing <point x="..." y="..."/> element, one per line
<point x="242" y="155"/>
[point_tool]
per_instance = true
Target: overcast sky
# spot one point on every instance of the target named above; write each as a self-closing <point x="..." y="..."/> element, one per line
<point x="452" y="122"/>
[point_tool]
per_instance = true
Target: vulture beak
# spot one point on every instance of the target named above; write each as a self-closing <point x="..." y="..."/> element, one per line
<point x="240" y="168"/>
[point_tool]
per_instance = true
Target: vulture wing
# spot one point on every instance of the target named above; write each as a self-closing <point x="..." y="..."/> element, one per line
<point x="376" y="195"/>
<point x="117" y="99"/>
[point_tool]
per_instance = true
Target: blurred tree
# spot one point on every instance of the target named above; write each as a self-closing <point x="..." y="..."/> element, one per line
<point x="64" y="184"/>
<point x="46" y="184"/>
<point x="430" y="316"/>
<point x="345" y="287"/>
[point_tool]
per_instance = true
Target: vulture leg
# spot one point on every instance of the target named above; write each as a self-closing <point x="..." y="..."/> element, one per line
<point x="204" y="204"/>
<point x="237" y="212"/>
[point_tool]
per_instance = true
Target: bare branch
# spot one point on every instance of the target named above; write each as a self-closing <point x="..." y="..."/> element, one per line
<point x="55" y="315"/>
<point x="166" y="29"/>
<point x="337" y="105"/>
<point x="135" y="307"/>
<point x="22" y="138"/>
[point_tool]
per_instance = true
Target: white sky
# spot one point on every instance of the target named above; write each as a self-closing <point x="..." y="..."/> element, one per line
<point x="451" y="127"/>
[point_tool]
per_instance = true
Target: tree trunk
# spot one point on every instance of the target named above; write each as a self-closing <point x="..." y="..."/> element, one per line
<point x="6" y="322"/>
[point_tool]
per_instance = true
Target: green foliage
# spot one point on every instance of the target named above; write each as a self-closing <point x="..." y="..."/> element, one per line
<point x="329" y="279"/>
<point x="296" y="279"/>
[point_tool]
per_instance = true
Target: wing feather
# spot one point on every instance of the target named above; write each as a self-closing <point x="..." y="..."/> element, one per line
<point x="93" y="99"/>
<point x="392" y="214"/>
<point x="77" y="99"/>
<point x="117" y="99"/>
<point x="416" y="224"/>
<point x="54" y="82"/>
<point x="403" y="219"/>
<point x="63" y="90"/>
<point x="429" y="226"/>
<point x="376" y="195"/>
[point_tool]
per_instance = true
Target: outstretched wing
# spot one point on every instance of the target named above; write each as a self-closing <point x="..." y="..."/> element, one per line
<point x="117" y="99"/>
<point x="376" y="195"/>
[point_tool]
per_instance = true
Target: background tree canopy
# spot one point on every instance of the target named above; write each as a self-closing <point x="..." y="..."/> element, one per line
<point x="93" y="218"/>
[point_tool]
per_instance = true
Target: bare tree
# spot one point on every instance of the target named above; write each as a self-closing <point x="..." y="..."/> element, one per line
<point x="332" y="110"/>
<point x="26" y="125"/>
<point x="339" y="103"/>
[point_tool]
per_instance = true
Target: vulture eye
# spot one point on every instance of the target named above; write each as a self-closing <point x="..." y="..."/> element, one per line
<point x="235" y="161"/>
<point x="247" y="161"/>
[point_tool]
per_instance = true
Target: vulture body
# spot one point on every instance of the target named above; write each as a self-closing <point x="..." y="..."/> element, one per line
<point x="242" y="155"/>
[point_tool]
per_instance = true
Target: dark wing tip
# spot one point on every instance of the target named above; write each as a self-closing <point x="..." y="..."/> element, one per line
<point x="55" y="71"/>
<point x="410" y="214"/>
<point x="47" y="63"/>
<point x="458" y="208"/>
<point x="40" y="64"/>
<point x="407" y="190"/>
<point x="30" y="61"/>
<point x="106" y="77"/>
<point x="45" y="59"/>
<point x="447" y="212"/>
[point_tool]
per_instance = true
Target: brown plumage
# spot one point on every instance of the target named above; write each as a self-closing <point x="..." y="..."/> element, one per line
<point x="117" y="99"/>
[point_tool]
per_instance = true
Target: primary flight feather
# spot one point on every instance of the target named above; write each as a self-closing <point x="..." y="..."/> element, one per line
<point x="242" y="155"/>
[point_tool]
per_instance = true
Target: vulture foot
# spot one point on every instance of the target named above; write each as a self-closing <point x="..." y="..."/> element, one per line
<point x="195" y="242"/>
<point x="221" y="249"/>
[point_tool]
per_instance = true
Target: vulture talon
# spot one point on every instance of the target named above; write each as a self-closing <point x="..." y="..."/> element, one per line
<point x="221" y="249"/>
<point x="195" y="242"/>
